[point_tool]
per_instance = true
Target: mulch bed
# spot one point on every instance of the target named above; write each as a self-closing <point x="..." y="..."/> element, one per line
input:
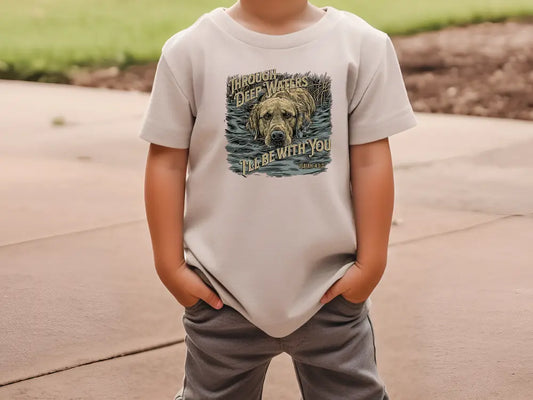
<point x="481" y="69"/>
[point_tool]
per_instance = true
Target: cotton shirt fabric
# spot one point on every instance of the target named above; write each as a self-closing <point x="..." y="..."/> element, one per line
<point x="268" y="121"/>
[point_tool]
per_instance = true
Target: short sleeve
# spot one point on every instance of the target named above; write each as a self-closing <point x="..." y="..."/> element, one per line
<point x="380" y="107"/>
<point x="168" y="120"/>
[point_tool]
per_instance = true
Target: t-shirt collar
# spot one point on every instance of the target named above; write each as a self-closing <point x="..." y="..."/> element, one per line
<point x="225" y="22"/>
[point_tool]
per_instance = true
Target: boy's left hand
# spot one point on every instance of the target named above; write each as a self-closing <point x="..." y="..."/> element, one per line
<point x="355" y="286"/>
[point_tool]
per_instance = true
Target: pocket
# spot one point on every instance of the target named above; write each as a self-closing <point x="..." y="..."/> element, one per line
<point x="355" y="312"/>
<point x="195" y="305"/>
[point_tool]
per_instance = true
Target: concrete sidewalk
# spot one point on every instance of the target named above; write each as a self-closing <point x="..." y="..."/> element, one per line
<point x="84" y="315"/>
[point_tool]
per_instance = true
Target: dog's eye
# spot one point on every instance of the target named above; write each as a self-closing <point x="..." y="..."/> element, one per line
<point x="267" y="115"/>
<point x="287" y="114"/>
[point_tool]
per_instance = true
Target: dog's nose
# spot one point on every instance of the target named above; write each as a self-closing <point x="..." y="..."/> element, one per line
<point x="278" y="136"/>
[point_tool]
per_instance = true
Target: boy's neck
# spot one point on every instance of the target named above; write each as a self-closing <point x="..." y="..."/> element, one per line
<point x="274" y="13"/>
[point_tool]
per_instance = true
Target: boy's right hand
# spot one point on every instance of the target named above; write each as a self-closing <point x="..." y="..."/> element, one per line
<point x="192" y="288"/>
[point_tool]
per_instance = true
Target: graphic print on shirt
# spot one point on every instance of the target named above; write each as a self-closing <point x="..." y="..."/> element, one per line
<point x="278" y="124"/>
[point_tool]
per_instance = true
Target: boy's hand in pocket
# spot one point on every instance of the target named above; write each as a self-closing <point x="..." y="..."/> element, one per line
<point x="354" y="286"/>
<point x="189" y="288"/>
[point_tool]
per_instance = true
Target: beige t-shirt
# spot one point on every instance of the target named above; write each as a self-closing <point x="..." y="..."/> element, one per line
<point x="268" y="120"/>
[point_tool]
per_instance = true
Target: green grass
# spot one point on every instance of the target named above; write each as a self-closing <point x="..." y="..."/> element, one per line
<point x="41" y="39"/>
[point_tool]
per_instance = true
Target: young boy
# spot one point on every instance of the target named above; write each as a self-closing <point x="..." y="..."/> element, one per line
<point x="280" y="112"/>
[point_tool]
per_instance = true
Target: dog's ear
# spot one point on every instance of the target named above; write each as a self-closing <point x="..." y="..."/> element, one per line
<point x="253" y="120"/>
<point x="303" y="117"/>
<point x="305" y="107"/>
<point x="299" y="122"/>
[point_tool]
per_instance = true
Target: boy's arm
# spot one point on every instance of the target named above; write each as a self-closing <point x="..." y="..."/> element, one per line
<point x="371" y="176"/>
<point x="373" y="202"/>
<point x="379" y="108"/>
<point x="164" y="191"/>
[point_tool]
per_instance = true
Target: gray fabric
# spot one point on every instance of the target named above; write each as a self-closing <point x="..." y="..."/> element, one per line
<point x="333" y="353"/>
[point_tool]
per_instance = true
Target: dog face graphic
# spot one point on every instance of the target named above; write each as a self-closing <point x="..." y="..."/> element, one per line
<point x="278" y="117"/>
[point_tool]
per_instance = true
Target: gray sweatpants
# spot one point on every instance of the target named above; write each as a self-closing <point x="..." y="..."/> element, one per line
<point x="333" y="354"/>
